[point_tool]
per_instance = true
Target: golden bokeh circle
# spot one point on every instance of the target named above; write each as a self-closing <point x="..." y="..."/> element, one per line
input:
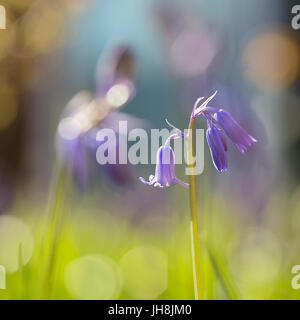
<point x="272" y="60"/>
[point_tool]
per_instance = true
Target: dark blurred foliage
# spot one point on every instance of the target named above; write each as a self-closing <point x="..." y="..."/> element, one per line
<point x="33" y="32"/>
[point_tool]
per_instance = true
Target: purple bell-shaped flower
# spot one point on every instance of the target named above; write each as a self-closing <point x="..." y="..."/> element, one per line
<point x="220" y="121"/>
<point x="238" y="135"/>
<point x="165" y="170"/>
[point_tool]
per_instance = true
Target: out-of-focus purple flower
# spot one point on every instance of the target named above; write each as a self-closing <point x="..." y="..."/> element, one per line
<point x="72" y="152"/>
<point x="85" y="113"/>
<point x="238" y="135"/>
<point x="216" y="146"/>
<point x="119" y="173"/>
<point x="219" y="120"/>
<point x="69" y="137"/>
<point x="115" y="76"/>
<point x="165" y="170"/>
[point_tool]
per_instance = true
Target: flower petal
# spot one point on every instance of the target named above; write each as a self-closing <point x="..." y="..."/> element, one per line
<point x="239" y="136"/>
<point x="149" y="183"/>
<point x="223" y="140"/>
<point x="158" y="185"/>
<point x="216" y="147"/>
<point x="185" y="185"/>
<point x="165" y="170"/>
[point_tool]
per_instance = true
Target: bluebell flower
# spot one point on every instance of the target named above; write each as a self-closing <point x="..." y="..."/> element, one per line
<point x="217" y="147"/>
<point x="220" y="121"/>
<point x="72" y="152"/>
<point x="238" y="135"/>
<point x="165" y="170"/>
<point x="165" y="164"/>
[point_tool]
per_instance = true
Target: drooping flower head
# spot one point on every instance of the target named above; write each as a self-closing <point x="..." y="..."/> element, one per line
<point x="219" y="121"/>
<point x="165" y="165"/>
<point x="238" y="135"/>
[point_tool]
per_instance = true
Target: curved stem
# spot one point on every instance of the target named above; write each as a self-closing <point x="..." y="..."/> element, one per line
<point x="194" y="222"/>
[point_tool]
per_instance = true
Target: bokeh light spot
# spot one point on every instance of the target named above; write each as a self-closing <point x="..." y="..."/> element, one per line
<point x="8" y="36"/>
<point x="272" y="60"/>
<point x="145" y="272"/>
<point x="192" y="52"/>
<point x="15" y="236"/>
<point x="69" y="128"/>
<point x="93" y="277"/>
<point x="118" y="95"/>
<point x="257" y="262"/>
<point x="41" y="29"/>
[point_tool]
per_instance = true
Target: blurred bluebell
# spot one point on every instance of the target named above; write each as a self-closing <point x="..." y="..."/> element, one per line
<point x="86" y="113"/>
<point x="73" y="154"/>
<point x="70" y="146"/>
<point x="115" y="76"/>
<point x="119" y="173"/>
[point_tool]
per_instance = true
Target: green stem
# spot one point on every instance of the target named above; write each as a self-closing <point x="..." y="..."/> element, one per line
<point x="194" y="222"/>
<point x="21" y="271"/>
<point x="223" y="274"/>
<point x="56" y="221"/>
